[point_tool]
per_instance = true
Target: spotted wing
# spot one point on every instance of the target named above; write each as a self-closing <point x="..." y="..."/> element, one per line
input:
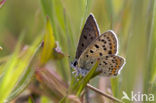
<point x="109" y="65"/>
<point x="105" y="49"/>
<point x="89" y="33"/>
<point x="105" y="44"/>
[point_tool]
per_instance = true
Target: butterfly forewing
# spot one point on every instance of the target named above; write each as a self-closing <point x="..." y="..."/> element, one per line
<point x="105" y="44"/>
<point x="89" y="33"/>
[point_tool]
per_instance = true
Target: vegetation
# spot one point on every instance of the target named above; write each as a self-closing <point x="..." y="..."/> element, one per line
<point x="38" y="41"/>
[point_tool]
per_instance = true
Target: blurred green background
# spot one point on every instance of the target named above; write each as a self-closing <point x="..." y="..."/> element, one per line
<point x="134" y="22"/>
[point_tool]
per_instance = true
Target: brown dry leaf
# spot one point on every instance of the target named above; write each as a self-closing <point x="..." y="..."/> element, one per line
<point x="52" y="84"/>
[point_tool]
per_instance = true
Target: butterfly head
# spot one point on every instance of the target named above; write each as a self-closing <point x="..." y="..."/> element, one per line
<point x="74" y="63"/>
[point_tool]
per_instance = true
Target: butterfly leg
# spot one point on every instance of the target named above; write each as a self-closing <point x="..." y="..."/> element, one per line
<point x="79" y="71"/>
<point x="76" y="69"/>
<point x="83" y="72"/>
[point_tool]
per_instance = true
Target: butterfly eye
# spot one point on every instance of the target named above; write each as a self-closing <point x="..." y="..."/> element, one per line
<point x="75" y="63"/>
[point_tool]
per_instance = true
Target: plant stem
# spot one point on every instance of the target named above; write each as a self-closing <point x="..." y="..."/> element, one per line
<point x="104" y="94"/>
<point x="87" y="95"/>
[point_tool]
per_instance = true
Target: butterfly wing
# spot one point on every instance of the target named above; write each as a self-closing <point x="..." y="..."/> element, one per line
<point x="89" y="33"/>
<point x="109" y="65"/>
<point x="104" y="48"/>
<point x="105" y="44"/>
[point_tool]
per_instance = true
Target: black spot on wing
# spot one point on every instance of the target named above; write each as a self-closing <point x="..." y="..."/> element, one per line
<point x="104" y="41"/>
<point x="104" y="62"/>
<point x="104" y="48"/>
<point x="106" y="57"/>
<point x="100" y="54"/>
<point x="82" y="45"/>
<point x="91" y="51"/>
<point x="96" y="46"/>
<point x="110" y="52"/>
<point x="85" y="37"/>
<point x="113" y="61"/>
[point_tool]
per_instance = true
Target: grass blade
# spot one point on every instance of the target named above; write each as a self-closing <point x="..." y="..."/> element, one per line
<point x="15" y="69"/>
<point x="48" y="44"/>
<point x="86" y="79"/>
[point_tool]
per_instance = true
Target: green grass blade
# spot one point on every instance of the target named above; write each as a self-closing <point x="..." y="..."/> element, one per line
<point x="8" y="75"/>
<point x="16" y="68"/>
<point x="48" y="44"/>
<point x="86" y="79"/>
<point x="30" y="100"/>
<point x="153" y="45"/>
<point x="151" y="56"/>
<point x="48" y="9"/>
<point x="26" y="78"/>
<point x="22" y="84"/>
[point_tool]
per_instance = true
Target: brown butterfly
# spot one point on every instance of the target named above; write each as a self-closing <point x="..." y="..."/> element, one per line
<point x="93" y="46"/>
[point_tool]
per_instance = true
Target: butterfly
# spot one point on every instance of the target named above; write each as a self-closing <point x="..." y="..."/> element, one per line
<point x="92" y="47"/>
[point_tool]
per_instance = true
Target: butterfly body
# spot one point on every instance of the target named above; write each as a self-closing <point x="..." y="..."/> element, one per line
<point x="102" y="47"/>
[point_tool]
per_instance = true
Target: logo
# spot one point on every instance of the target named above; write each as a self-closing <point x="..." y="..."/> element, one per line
<point x="138" y="96"/>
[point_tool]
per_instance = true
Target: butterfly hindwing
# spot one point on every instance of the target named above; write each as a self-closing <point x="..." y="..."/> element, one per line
<point x="89" y="33"/>
<point x="109" y="65"/>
